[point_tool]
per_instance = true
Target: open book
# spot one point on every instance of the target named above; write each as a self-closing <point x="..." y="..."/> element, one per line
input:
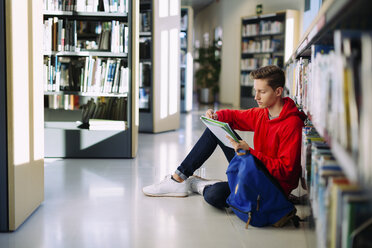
<point x="220" y="129"/>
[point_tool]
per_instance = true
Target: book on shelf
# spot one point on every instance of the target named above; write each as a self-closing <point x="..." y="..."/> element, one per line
<point x="145" y="21"/>
<point x="66" y="102"/>
<point x="144" y="95"/>
<point x="348" y="46"/>
<point x="365" y="154"/>
<point x="331" y="89"/>
<point x="85" y="74"/>
<point x="220" y="129"/>
<point x="126" y="38"/>
<point x="111" y="108"/>
<point x="262" y="28"/>
<point x="309" y="135"/>
<point x="54" y="34"/>
<point x="337" y="192"/>
<point x="145" y="74"/>
<point x="356" y="212"/>
<point x="318" y="149"/>
<point x="73" y="36"/>
<point x="246" y="80"/>
<point x="113" y="6"/>
<point x="332" y="196"/>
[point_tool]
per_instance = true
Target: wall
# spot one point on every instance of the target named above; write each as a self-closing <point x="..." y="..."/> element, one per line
<point x="228" y="14"/>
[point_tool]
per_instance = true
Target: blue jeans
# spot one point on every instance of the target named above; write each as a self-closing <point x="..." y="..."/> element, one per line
<point x="216" y="194"/>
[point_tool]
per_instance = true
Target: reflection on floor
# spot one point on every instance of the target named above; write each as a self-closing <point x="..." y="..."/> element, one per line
<point x="99" y="203"/>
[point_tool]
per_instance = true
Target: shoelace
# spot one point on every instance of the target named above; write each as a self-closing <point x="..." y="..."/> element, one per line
<point x="158" y="183"/>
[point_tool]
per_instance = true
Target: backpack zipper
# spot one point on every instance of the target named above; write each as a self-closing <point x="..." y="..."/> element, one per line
<point x="258" y="203"/>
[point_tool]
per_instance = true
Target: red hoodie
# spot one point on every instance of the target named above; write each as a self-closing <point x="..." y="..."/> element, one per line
<point x="277" y="142"/>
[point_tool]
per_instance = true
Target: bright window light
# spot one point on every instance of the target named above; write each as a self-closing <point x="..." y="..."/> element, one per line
<point x="20" y="88"/>
<point x="164" y="74"/>
<point x="163" y="8"/>
<point x="289" y="27"/>
<point x="173" y="71"/>
<point x="98" y="192"/>
<point x="136" y="99"/>
<point x="189" y="81"/>
<point x="174" y="7"/>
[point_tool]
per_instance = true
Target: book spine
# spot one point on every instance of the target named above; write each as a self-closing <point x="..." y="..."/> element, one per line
<point x="57" y="75"/>
<point x="115" y="87"/>
<point x="86" y="74"/>
<point x="126" y="41"/>
<point x="90" y="77"/>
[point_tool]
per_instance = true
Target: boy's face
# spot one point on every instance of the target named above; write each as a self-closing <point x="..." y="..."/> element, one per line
<point x="265" y="95"/>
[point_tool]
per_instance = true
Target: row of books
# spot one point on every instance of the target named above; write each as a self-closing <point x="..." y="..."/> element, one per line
<point x="254" y="63"/>
<point x="262" y="28"/>
<point x="62" y="34"/>
<point x="245" y="79"/>
<point x="109" y="108"/>
<point x="66" y="102"/>
<point x="265" y="45"/>
<point x="342" y="210"/>
<point x="145" y="74"/>
<point x="85" y="74"/>
<point x="330" y="89"/>
<point x="120" y="6"/>
<point x="145" y="21"/>
<point x="144" y="98"/>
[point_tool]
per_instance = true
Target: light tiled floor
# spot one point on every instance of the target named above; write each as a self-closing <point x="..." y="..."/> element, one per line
<point x="99" y="203"/>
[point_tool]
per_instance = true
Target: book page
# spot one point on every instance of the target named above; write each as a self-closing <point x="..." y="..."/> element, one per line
<point x="220" y="129"/>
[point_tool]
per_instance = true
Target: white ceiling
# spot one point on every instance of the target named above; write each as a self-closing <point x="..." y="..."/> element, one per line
<point x="197" y="5"/>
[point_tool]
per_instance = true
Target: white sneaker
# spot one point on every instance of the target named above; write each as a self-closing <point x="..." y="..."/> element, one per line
<point x="167" y="187"/>
<point x="197" y="184"/>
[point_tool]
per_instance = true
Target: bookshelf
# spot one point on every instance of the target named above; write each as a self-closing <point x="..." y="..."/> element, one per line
<point x="89" y="68"/>
<point x="145" y="69"/>
<point x="3" y="122"/>
<point x="265" y="39"/>
<point x="329" y="76"/>
<point x="186" y="59"/>
<point x="159" y="97"/>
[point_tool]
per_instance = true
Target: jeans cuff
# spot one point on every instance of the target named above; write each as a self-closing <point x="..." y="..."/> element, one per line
<point x="181" y="175"/>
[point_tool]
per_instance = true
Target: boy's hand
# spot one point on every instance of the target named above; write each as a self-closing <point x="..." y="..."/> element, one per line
<point x="241" y="145"/>
<point x="211" y="114"/>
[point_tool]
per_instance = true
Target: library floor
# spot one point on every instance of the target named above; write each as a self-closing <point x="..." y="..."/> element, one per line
<point x="99" y="203"/>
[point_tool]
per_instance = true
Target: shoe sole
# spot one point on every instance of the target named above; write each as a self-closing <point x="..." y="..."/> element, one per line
<point x="167" y="195"/>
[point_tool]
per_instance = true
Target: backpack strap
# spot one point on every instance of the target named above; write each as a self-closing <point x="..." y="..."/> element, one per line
<point x="249" y="220"/>
<point x="291" y="216"/>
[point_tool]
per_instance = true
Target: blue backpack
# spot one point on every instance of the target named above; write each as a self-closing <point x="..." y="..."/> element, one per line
<point x="256" y="197"/>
